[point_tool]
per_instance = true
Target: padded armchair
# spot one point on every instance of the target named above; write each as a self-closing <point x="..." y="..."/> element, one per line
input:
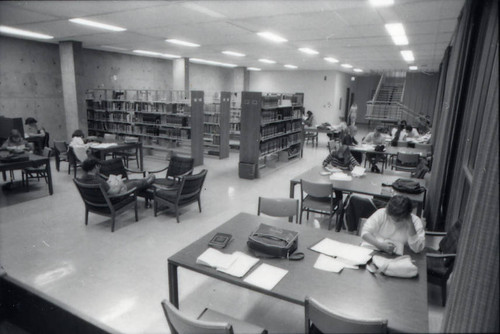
<point x="98" y="201"/>
<point x="208" y="322"/>
<point x="73" y="161"/>
<point x="406" y="162"/>
<point x="440" y="261"/>
<point x="320" y="319"/>
<point x="319" y="198"/>
<point x="177" y="167"/>
<point x="37" y="172"/>
<point x="279" y="207"/>
<point x="60" y="151"/>
<point x="189" y="191"/>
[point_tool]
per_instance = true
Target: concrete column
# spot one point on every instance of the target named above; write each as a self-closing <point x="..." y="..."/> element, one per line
<point x="73" y="94"/>
<point x="181" y="75"/>
<point x="241" y="79"/>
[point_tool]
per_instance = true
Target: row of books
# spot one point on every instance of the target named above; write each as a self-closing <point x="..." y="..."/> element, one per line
<point x="136" y="95"/>
<point x="277" y="128"/>
<point x="137" y="106"/>
<point x="211" y="118"/>
<point x="212" y="129"/>
<point x="277" y="144"/>
<point x="211" y="107"/>
<point x="280" y="114"/>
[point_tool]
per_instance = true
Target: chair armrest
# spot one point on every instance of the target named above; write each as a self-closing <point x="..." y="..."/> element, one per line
<point x="136" y="171"/>
<point x="162" y="187"/>
<point x="437" y="255"/>
<point x="157" y="171"/>
<point x="435" y="233"/>
<point x="128" y="193"/>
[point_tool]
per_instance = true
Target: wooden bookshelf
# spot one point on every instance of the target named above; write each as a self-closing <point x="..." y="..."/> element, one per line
<point x="235" y="120"/>
<point x="271" y="125"/>
<point x="216" y="125"/>
<point x="164" y="121"/>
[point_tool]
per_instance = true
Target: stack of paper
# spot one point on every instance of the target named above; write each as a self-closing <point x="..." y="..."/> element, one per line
<point x="358" y="171"/>
<point x="340" y="177"/>
<point x="266" y="276"/>
<point x="236" y="264"/>
<point x="349" y="254"/>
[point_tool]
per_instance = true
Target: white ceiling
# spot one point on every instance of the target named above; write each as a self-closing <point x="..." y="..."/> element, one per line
<point x="349" y="30"/>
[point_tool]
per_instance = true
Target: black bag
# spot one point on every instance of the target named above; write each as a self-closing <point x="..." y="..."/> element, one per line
<point x="379" y="148"/>
<point x="408" y="186"/>
<point x="269" y="241"/>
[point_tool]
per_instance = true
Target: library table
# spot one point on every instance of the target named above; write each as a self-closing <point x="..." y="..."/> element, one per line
<point x="368" y="184"/>
<point x="389" y="151"/>
<point x="101" y="152"/>
<point x="358" y="293"/>
<point x="33" y="161"/>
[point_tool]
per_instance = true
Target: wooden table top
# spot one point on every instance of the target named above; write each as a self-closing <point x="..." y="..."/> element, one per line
<point x="357" y="293"/>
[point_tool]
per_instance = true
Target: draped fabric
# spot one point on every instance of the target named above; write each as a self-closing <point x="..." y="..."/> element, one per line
<point x="445" y="121"/>
<point x="473" y="304"/>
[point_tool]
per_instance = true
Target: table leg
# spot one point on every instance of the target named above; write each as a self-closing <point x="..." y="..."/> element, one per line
<point x="49" y="176"/>
<point x="141" y="158"/>
<point x="292" y="194"/>
<point x="173" y="285"/>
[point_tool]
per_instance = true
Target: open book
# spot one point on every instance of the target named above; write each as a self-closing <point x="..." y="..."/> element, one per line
<point x="235" y="264"/>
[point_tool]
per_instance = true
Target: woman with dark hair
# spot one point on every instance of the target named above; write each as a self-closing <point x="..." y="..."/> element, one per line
<point x="400" y="135"/>
<point x="389" y="229"/>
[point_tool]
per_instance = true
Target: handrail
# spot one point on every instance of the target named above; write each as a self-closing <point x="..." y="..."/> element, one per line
<point x="378" y="87"/>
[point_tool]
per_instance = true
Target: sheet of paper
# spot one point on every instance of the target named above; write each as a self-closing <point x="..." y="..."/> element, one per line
<point x="340" y="177"/>
<point x="266" y="276"/>
<point x="242" y="264"/>
<point x="328" y="263"/>
<point x="216" y="259"/>
<point x="356" y="255"/>
<point x="358" y="171"/>
<point x="103" y="145"/>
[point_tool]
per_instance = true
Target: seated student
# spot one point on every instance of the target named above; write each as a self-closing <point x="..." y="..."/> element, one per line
<point x="341" y="157"/>
<point x="375" y="138"/>
<point x="350" y="140"/>
<point x="78" y="145"/>
<point x="395" y="129"/>
<point x="361" y="207"/>
<point x="411" y="132"/>
<point x="91" y="168"/>
<point x="390" y="228"/>
<point x="400" y="135"/>
<point x="309" y="120"/>
<point x="32" y="128"/>
<point x="15" y="141"/>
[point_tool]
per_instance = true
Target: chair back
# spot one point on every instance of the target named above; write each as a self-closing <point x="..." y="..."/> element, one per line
<point x="279" y="207"/>
<point x="179" y="166"/>
<point x="180" y="324"/>
<point x="93" y="195"/>
<point x="72" y="159"/>
<point x="407" y="159"/>
<point x="60" y="146"/>
<point x="316" y="189"/>
<point x="47" y="152"/>
<point x="191" y="186"/>
<point x="113" y="166"/>
<point x="329" y="322"/>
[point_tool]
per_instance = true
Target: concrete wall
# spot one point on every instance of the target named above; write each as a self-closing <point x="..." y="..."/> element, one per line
<point x="30" y="83"/>
<point x="322" y="90"/>
<point x="363" y="92"/>
<point x="210" y="79"/>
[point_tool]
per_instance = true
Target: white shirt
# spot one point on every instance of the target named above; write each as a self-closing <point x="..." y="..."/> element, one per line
<point x="382" y="227"/>
<point x="79" y="148"/>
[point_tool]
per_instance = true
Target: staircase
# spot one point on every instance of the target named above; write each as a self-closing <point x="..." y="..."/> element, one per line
<point x="387" y="104"/>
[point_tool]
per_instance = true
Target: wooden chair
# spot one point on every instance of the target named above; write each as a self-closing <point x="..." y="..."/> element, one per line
<point x="177" y="168"/>
<point x="319" y="198"/>
<point x="311" y="136"/>
<point x="99" y="202"/>
<point x="60" y="150"/>
<point x="208" y="322"/>
<point x="37" y="172"/>
<point x="73" y="161"/>
<point x="279" y="207"/>
<point x="440" y="261"/>
<point x="188" y="192"/>
<point x="318" y="317"/>
<point x="406" y="162"/>
<point x="131" y="154"/>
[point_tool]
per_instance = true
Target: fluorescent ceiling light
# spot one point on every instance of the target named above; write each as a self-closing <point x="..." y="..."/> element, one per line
<point x="232" y="53"/>
<point x="331" y="60"/>
<point x="97" y="24"/>
<point x="253" y="68"/>
<point x="308" y="51"/>
<point x="381" y="3"/>
<point x="267" y="61"/>
<point x="358" y="70"/>
<point x="413" y="68"/>
<point x="25" y="33"/>
<point x="184" y="43"/>
<point x="272" y="37"/>
<point x="157" y="54"/>
<point x="290" y="66"/>
<point x="346" y="65"/>
<point x="210" y="62"/>
<point x="397" y="32"/>
<point x="407" y="55"/>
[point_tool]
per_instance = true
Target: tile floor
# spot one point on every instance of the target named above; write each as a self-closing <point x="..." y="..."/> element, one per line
<point x="118" y="279"/>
